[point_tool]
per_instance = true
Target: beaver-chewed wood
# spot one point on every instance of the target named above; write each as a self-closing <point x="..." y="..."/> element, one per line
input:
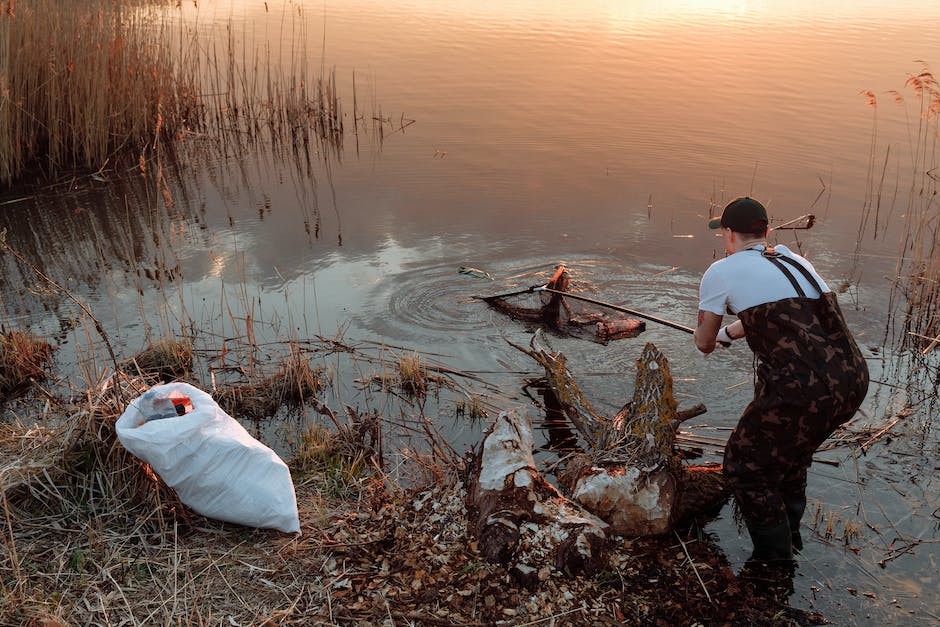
<point x="631" y="475"/>
<point x="522" y="521"/>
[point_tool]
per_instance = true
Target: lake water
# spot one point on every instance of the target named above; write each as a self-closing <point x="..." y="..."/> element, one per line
<point x="519" y="134"/>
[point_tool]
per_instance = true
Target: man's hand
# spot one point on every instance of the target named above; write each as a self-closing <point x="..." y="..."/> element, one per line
<point x="724" y="338"/>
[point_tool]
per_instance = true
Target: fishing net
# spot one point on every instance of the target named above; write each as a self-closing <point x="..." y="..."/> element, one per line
<point x="556" y="314"/>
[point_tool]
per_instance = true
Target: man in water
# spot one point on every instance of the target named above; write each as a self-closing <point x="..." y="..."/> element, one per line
<point x="810" y="374"/>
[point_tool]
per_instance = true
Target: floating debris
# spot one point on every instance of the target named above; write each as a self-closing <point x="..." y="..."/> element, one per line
<point x="475" y="272"/>
<point x="557" y="316"/>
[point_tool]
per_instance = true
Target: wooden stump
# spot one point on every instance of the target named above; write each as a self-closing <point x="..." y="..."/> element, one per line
<point x="522" y="521"/>
<point x="634" y="501"/>
<point x="632" y="477"/>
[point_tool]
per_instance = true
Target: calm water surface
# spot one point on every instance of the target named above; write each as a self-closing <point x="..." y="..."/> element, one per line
<point x="601" y="134"/>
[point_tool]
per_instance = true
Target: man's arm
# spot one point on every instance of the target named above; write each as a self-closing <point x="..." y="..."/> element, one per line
<point x="707" y="329"/>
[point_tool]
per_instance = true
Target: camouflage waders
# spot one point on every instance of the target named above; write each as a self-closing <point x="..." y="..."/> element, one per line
<point x="810" y="378"/>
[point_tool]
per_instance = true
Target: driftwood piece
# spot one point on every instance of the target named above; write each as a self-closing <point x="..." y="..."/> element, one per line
<point x="556" y="315"/>
<point x="632" y="475"/>
<point x="522" y="521"/>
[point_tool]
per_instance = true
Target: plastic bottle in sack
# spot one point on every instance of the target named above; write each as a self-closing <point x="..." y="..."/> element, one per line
<point x="155" y="407"/>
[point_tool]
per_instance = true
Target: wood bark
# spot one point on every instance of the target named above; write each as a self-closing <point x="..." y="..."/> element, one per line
<point x="631" y="474"/>
<point x="522" y="521"/>
<point x="629" y="479"/>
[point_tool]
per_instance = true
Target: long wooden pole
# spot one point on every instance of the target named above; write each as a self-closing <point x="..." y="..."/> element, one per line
<point x="632" y="312"/>
<point x="528" y="290"/>
<point x="810" y="221"/>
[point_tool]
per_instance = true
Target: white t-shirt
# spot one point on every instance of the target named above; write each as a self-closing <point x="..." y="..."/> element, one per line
<point x="747" y="279"/>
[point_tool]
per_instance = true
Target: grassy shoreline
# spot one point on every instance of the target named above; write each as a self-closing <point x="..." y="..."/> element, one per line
<point x="90" y="536"/>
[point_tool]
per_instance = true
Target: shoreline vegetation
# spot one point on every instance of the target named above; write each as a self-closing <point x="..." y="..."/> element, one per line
<point x="84" y="85"/>
<point x="103" y="85"/>
<point x="915" y="287"/>
<point x="90" y="535"/>
<point x="920" y="283"/>
<point x="903" y="191"/>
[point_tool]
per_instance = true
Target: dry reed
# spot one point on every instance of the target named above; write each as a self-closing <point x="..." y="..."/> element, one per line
<point x="164" y="360"/>
<point x="323" y="454"/>
<point x="95" y="83"/>
<point x="88" y="532"/>
<point x="23" y="359"/>
<point x="412" y="375"/>
<point x="84" y="82"/>
<point x="473" y="408"/>
<point x="294" y="383"/>
<point x="918" y="266"/>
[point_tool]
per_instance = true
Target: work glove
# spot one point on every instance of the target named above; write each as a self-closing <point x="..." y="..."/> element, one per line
<point x="723" y="338"/>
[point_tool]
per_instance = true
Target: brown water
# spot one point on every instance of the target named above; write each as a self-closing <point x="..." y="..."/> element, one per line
<point x="597" y="133"/>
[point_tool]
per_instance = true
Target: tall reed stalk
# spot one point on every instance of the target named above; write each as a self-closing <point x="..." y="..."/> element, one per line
<point x="919" y="253"/>
<point x="81" y="82"/>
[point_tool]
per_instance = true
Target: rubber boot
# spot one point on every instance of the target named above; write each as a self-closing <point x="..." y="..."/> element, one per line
<point x="770" y="580"/>
<point x="795" y="505"/>
<point x="771" y="544"/>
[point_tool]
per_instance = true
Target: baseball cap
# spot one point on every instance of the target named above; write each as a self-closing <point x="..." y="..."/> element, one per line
<point x="742" y="215"/>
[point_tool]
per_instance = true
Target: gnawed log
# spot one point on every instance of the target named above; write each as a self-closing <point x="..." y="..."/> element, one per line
<point x="632" y="475"/>
<point x="522" y="521"/>
<point x="556" y="315"/>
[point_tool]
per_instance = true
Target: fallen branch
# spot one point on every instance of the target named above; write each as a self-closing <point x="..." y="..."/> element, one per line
<point x="694" y="568"/>
<point x="882" y="432"/>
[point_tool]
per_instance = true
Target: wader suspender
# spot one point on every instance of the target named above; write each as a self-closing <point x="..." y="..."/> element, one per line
<point x="775" y="258"/>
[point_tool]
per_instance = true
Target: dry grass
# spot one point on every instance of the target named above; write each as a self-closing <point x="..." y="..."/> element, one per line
<point x="165" y="360"/>
<point x="94" y="84"/>
<point x="88" y="535"/>
<point x="23" y="360"/>
<point x="253" y="99"/>
<point x="82" y="442"/>
<point x="412" y="375"/>
<point x="89" y="532"/>
<point x="473" y="407"/>
<point x="322" y="454"/>
<point x="73" y="476"/>
<point x="83" y="82"/>
<point x="295" y="383"/>
<point x="409" y="375"/>
<point x="376" y="556"/>
<point x="919" y="251"/>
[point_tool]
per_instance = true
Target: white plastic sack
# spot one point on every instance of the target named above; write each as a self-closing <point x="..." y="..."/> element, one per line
<point x="212" y="462"/>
